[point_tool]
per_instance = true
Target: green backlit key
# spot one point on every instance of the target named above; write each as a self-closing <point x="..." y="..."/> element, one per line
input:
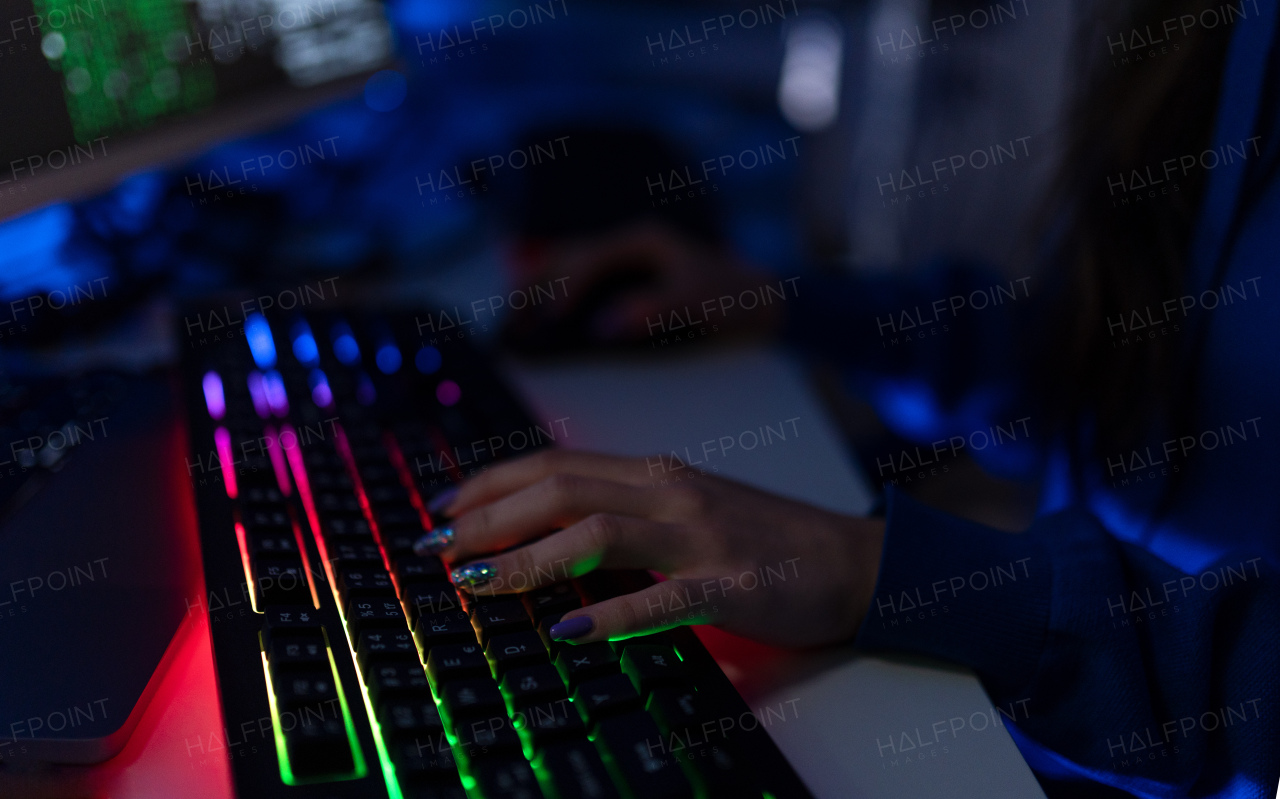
<point x="456" y="662"/>
<point x="575" y="771"/>
<point x="318" y="747"/>
<point x="508" y="779"/>
<point x="396" y="680"/>
<point x="549" y="722"/>
<point x="514" y="650"/>
<point x="374" y="614"/>
<point x="375" y="647"/>
<point x="499" y="618"/>
<point x="676" y="709"/>
<point x="438" y="629"/>
<point x="532" y="685"/>
<point x="461" y="700"/>
<point x="577" y="664"/>
<point x="411" y="718"/>
<point x="652" y="666"/>
<point x="605" y="696"/>
<point x="638" y="756"/>
<point x="486" y="737"/>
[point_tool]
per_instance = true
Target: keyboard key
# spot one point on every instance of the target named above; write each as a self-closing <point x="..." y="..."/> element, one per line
<point x="487" y="737"/>
<point x="381" y="646"/>
<point x="653" y="639"/>
<point x="356" y="556"/>
<point x="558" y="598"/>
<point x="396" y="680"/>
<point x="387" y="495"/>
<point x="323" y="458"/>
<point x="575" y="771"/>
<point x="433" y="790"/>
<point x="331" y="502"/>
<point x="456" y="662"/>
<point x="554" y="648"/>
<point x="439" y="629"/>
<point x="425" y="599"/>
<point x="635" y="746"/>
<point x="419" y="570"/>
<point x="375" y="470"/>
<point x="289" y="622"/>
<point x="267" y="519"/>
<point x="280" y="581"/>
<point x="273" y="542"/>
<point x="676" y="709"/>
<point x="298" y="687"/>
<point x="262" y="495"/>
<point x="469" y="699"/>
<point x="605" y="696"/>
<point x="399" y="515"/>
<point x="471" y="601"/>
<point x="549" y="722"/>
<point x="717" y="772"/>
<point x="374" y="614"/>
<point x="411" y="718"/>
<point x="532" y="685"/>
<point x="361" y="582"/>
<point x="306" y="650"/>
<point x="336" y="480"/>
<point x="499" y="618"/>
<point x="577" y="664"/>
<point x="347" y="529"/>
<point x="514" y="650"/>
<point x="510" y="778"/>
<point x="318" y="748"/>
<point x="423" y="760"/>
<point x="399" y="539"/>
<point x="651" y="666"/>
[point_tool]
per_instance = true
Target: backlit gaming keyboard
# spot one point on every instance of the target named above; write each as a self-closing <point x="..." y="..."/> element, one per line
<point x="347" y="665"/>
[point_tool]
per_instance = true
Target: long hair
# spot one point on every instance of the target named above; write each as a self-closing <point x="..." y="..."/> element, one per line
<point x="1117" y="246"/>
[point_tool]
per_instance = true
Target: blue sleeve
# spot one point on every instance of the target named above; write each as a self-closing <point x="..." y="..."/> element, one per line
<point x="1119" y="667"/>
<point x="943" y="352"/>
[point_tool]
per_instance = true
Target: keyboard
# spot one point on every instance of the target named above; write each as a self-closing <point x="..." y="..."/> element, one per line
<point x="347" y="665"/>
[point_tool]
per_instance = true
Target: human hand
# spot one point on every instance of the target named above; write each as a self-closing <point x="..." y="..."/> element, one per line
<point x="630" y="281"/>
<point x="750" y="562"/>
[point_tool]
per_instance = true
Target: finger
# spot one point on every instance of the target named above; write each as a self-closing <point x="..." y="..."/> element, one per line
<point x="553" y="502"/>
<point x="656" y="608"/>
<point x="644" y="246"/>
<point x="602" y="540"/>
<point x="513" y="475"/>
<point x="635" y="316"/>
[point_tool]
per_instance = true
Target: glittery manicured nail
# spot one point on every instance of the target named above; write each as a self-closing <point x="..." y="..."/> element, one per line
<point x="442" y="500"/>
<point x="433" y="542"/>
<point x="474" y="574"/>
<point x="573" y="628"/>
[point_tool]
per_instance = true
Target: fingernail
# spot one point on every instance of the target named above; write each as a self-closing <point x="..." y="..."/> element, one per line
<point x="442" y="500"/>
<point x="474" y="574"/>
<point x="576" y="627"/>
<point x="434" y="542"/>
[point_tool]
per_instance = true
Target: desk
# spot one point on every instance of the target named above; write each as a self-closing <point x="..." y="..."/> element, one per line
<point x="833" y="713"/>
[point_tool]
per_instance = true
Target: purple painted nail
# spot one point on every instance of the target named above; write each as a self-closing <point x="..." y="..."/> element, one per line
<point x="573" y="628"/>
<point x="442" y="500"/>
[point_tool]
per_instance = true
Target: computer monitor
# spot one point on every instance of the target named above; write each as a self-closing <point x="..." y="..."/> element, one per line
<point x="91" y="90"/>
